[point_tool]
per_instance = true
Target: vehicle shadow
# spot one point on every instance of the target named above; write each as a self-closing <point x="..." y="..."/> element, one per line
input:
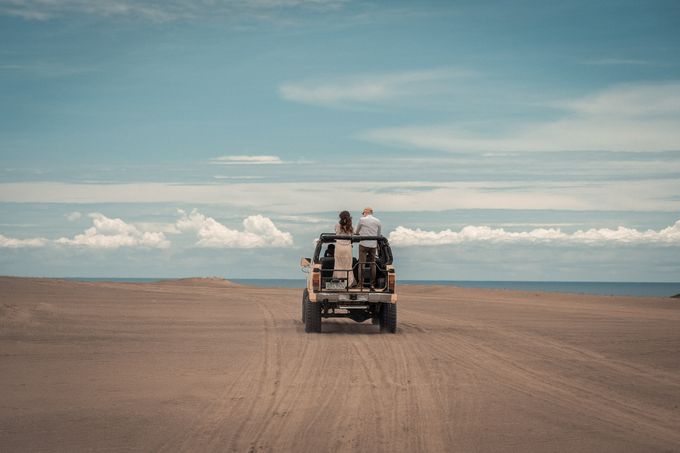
<point x="341" y="327"/>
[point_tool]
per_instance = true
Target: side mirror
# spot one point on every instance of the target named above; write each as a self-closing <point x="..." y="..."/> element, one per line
<point x="305" y="262"/>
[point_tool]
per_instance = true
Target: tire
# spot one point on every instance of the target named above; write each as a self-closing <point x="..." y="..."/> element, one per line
<point x="305" y="298"/>
<point x="312" y="317"/>
<point x="388" y="318"/>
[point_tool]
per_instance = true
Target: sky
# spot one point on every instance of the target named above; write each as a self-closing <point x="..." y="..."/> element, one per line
<point x="495" y="140"/>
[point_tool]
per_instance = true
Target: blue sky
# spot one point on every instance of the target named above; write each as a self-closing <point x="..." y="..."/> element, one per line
<point x="496" y="140"/>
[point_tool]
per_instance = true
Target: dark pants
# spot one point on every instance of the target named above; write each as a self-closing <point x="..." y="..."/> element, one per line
<point x="366" y="255"/>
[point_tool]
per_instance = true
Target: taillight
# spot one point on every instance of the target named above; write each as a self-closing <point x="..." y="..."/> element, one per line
<point x="316" y="280"/>
<point x="391" y="281"/>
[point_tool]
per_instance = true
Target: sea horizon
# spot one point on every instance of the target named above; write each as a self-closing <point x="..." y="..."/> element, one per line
<point x="648" y="289"/>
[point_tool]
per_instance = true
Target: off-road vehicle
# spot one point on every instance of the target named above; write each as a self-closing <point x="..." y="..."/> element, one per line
<point x="329" y="296"/>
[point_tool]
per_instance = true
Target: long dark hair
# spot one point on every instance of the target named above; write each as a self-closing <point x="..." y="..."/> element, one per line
<point x="345" y="222"/>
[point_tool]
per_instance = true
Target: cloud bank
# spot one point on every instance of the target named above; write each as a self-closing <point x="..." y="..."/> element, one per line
<point x="114" y="233"/>
<point x="107" y="233"/>
<point x="407" y="237"/>
<point x="642" y="117"/>
<point x="258" y="231"/>
<point x="395" y="196"/>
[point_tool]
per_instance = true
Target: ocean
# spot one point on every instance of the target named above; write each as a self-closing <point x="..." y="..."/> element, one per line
<point x="655" y="289"/>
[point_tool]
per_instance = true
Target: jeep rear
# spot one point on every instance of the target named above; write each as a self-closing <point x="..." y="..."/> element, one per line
<point x="328" y="294"/>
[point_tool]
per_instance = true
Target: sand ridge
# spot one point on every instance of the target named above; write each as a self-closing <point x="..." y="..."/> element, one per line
<point x="206" y="365"/>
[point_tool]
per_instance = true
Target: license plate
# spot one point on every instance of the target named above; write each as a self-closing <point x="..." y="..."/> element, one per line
<point x="336" y="285"/>
<point x="352" y="298"/>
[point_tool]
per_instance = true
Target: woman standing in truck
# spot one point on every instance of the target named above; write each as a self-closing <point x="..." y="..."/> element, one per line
<point x="343" y="249"/>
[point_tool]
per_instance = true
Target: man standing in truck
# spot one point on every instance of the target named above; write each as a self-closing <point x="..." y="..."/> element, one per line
<point x="368" y="226"/>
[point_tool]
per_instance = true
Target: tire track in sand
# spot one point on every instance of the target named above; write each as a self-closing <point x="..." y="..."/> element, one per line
<point x="261" y="398"/>
<point x="453" y="390"/>
<point x="373" y="413"/>
<point x="282" y="399"/>
<point x="571" y="393"/>
<point x="210" y="418"/>
<point x="243" y="396"/>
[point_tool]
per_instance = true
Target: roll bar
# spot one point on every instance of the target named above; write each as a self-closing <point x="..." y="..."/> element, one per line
<point x="383" y="244"/>
<point x="329" y="237"/>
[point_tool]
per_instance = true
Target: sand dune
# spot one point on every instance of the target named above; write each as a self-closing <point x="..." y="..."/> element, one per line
<point x="205" y="365"/>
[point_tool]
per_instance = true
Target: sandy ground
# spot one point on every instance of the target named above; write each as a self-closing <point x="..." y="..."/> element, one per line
<point x="203" y="365"/>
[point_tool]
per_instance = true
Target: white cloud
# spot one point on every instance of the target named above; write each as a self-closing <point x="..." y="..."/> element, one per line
<point x="404" y="196"/>
<point x="258" y="231"/>
<point x="114" y="233"/>
<point x="107" y="233"/>
<point x="623" y="118"/>
<point x="163" y="227"/>
<point x="406" y="237"/>
<point x="247" y="160"/>
<point x="12" y="243"/>
<point x="367" y="88"/>
<point x="523" y="224"/>
<point x="305" y="219"/>
<point x="630" y="101"/>
<point x="73" y="216"/>
<point x="168" y="10"/>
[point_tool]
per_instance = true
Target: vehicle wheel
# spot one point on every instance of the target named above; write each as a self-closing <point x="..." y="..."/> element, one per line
<point x="312" y="317"/>
<point x="305" y="298"/>
<point x="388" y="318"/>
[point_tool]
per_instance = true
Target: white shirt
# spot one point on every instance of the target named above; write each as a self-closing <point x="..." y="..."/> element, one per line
<point x="369" y="226"/>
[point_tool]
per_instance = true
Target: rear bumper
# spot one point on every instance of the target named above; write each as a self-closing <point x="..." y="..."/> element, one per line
<point x="352" y="297"/>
